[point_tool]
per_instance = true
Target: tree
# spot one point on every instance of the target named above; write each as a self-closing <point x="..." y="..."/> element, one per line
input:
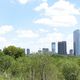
<point x="5" y="62"/>
<point x="14" y="51"/>
<point x="1" y="53"/>
<point x="70" y="71"/>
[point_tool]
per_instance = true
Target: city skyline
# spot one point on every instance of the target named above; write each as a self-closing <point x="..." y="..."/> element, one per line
<point x="35" y="24"/>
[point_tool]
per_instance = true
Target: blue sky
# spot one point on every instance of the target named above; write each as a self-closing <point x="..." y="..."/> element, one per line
<point x="35" y="24"/>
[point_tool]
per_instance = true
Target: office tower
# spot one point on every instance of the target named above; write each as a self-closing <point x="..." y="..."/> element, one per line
<point x="53" y="46"/>
<point x="62" y="47"/>
<point x="76" y="39"/>
<point x="45" y="50"/>
<point x="28" y="51"/>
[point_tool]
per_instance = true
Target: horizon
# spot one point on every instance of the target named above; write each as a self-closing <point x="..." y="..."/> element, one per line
<point x="35" y="24"/>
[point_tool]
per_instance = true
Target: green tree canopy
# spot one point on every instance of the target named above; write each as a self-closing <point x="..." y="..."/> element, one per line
<point x="14" y="51"/>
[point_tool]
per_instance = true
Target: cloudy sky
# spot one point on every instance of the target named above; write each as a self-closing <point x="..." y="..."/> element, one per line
<point x="35" y="24"/>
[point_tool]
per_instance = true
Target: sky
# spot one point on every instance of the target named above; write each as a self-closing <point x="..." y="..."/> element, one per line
<point x="35" y="24"/>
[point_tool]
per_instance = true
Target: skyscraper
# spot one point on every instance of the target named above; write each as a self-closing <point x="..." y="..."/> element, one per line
<point x="53" y="46"/>
<point x="28" y="51"/>
<point x="62" y="47"/>
<point x="76" y="39"/>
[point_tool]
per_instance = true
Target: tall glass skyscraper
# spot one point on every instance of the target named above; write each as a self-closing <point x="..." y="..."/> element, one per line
<point x="76" y="38"/>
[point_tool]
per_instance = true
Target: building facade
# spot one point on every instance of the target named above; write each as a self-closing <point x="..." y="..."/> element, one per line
<point x="53" y="46"/>
<point x="45" y="50"/>
<point x="28" y="51"/>
<point x="62" y="49"/>
<point x="76" y="42"/>
<point x="71" y="52"/>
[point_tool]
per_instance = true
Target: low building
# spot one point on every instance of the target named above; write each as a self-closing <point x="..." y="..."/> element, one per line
<point x="71" y="52"/>
<point x="44" y="50"/>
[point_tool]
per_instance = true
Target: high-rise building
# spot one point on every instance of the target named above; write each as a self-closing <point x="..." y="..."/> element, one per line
<point x="28" y="51"/>
<point x="53" y="46"/>
<point x="62" y="49"/>
<point x="76" y="42"/>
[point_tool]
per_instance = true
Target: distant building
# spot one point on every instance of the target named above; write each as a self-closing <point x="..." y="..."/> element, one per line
<point x="45" y="50"/>
<point x="71" y="52"/>
<point x="28" y="51"/>
<point x="53" y="46"/>
<point x="76" y="39"/>
<point x="39" y="51"/>
<point x="62" y="49"/>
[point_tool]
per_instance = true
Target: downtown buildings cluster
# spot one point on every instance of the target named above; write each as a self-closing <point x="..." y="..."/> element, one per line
<point x="62" y="46"/>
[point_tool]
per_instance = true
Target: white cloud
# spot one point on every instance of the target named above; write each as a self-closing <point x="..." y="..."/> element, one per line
<point x="42" y="6"/>
<point x="50" y="37"/>
<point x="26" y="34"/>
<point x="23" y="1"/>
<point x="43" y="31"/>
<point x="58" y="21"/>
<point x="2" y="39"/>
<point x="61" y="13"/>
<point x="5" y="29"/>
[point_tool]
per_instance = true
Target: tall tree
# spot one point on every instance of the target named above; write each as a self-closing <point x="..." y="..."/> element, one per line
<point x="14" y="51"/>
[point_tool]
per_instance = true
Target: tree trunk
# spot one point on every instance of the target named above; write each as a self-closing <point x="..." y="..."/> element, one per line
<point x="32" y="74"/>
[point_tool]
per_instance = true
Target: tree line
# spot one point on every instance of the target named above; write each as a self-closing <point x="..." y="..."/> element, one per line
<point x="16" y="65"/>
